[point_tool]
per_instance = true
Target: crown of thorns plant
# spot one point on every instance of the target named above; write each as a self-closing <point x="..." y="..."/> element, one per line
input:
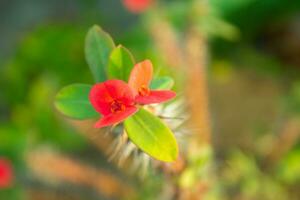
<point x="126" y="101"/>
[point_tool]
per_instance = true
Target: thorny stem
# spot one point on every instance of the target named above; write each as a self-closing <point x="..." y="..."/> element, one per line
<point x="193" y="62"/>
<point x="196" y="53"/>
<point x="165" y="117"/>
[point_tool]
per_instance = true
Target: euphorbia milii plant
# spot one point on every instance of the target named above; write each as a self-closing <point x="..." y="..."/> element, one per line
<point x="121" y="99"/>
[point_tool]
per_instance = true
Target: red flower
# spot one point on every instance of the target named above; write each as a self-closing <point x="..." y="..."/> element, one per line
<point x="139" y="80"/>
<point x="114" y="99"/>
<point x="6" y="174"/>
<point x="137" y="6"/>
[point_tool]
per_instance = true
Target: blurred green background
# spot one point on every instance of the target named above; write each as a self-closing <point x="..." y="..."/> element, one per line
<point x="253" y="80"/>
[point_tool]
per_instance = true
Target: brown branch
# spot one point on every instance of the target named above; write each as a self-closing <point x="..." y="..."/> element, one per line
<point x="196" y="87"/>
<point x="59" y="168"/>
<point x="167" y="44"/>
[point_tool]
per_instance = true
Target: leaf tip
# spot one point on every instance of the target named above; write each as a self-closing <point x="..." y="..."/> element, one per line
<point x="173" y="154"/>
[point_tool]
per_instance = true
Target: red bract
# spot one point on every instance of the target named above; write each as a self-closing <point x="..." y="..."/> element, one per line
<point x="114" y="99"/>
<point x="6" y="174"/>
<point x="140" y="79"/>
<point x="137" y="6"/>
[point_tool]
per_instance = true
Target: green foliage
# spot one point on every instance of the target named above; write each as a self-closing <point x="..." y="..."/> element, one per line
<point x="73" y="101"/>
<point x="40" y="53"/>
<point x="215" y="26"/>
<point x="152" y="136"/>
<point x="12" y="194"/>
<point x="37" y="118"/>
<point x="12" y="143"/>
<point x="98" y="46"/>
<point x="289" y="167"/>
<point x="46" y="58"/>
<point x="237" y="12"/>
<point x="162" y="83"/>
<point x="121" y="62"/>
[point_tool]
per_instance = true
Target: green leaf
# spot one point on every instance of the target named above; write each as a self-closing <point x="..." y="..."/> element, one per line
<point x="162" y="83"/>
<point x="152" y="136"/>
<point x="120" y="63"/>
<point x="98" y="46"/>
<point x="73" y="101"/>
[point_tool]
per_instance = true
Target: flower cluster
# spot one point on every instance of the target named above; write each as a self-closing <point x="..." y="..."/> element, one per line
<point x="117" y="100"/>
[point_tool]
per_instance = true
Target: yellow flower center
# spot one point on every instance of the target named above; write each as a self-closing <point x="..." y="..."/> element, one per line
<point x="117" y="106"/>
<point x="144" y="91"/>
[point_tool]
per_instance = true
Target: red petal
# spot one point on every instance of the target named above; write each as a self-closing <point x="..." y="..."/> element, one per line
<point x="102" y="94"/>
<point x="115" y="118"/>
<point x="141" y="75"/>
<point x="156" y="96"/>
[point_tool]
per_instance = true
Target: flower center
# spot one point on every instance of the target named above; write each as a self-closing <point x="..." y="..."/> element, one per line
<point x="144" y="91"/>
<point x="117" y="106"/>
